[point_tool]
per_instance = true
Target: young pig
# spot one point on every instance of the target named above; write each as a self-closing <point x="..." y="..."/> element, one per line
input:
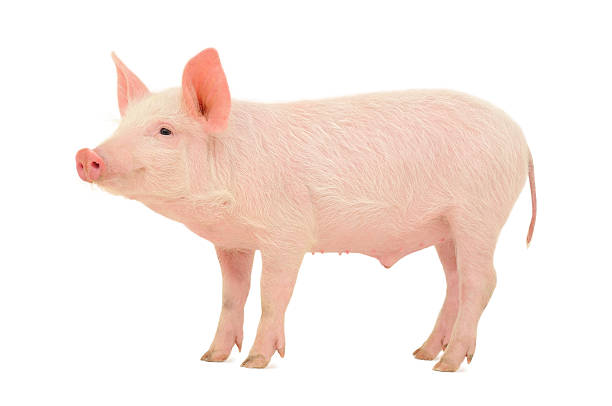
<point x="382" y="174"/>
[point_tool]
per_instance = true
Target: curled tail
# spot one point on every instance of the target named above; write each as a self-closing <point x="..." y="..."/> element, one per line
<point x="533" y="200"/>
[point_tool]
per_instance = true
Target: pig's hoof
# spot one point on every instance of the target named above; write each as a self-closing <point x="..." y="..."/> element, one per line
<point x="424" y="354"/>
<point x="443" y="366"/>
<point x="255" y="361"/>
<point x="455" y="353"/>
<point x="214" y="356"/>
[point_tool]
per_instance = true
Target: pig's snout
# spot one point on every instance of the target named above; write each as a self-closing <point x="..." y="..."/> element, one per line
<point x="89" y="165"/>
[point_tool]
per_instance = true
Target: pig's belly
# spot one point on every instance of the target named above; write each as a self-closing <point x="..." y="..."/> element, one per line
<point x="379" y="242"/>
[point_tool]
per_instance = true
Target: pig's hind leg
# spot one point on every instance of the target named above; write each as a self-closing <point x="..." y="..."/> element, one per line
<point x="439" y="337"/>
<point x="236" y="266"/>
<point x="475" y="245"/>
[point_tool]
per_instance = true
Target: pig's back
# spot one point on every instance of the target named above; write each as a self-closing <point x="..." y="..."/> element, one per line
<point x="389" y="146"/>
<point x="397" y="160"/>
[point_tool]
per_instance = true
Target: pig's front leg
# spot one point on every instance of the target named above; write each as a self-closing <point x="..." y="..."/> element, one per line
<point x="236" y="268"/>
<point x="278" y="277"/>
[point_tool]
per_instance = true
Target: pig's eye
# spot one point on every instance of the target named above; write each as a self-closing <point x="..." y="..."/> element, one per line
<point x="165" y="131"/>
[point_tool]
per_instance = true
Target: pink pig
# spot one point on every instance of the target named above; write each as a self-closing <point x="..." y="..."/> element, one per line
<point x="382" y="174"/>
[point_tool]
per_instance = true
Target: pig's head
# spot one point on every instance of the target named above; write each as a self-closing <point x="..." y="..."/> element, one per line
<point x="159" y="150"/>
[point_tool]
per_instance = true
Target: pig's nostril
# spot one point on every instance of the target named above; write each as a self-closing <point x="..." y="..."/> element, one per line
<point x="95" y="164"/>
<point x="80" y="165"/>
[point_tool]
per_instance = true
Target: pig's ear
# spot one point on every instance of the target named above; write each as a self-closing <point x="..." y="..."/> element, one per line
<point x="129" y="87"/>
<point x="206" y="94"/>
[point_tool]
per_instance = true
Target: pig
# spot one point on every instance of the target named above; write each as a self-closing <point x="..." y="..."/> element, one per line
<point x="382" y="174"/>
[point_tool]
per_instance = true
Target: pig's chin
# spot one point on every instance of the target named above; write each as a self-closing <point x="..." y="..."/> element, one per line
<point x="116" y="187"/>
<point x="126" y="185"/>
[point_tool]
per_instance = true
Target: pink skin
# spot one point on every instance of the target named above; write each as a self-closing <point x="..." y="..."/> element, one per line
<point x="383" y="174"/>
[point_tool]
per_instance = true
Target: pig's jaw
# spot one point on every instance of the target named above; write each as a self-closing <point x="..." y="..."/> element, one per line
<point x="143" y="197"/>
<point x="175" y="208"/>
<point x="203" y="209"/>
<point x="193" y="203"/>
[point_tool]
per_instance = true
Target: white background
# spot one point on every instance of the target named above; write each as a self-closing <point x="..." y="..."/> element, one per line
<point x="103" y="302"/>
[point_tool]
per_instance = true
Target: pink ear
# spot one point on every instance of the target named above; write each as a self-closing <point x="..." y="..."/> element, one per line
<point x="129" y="87"/>
<point x="206" y="94"/>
